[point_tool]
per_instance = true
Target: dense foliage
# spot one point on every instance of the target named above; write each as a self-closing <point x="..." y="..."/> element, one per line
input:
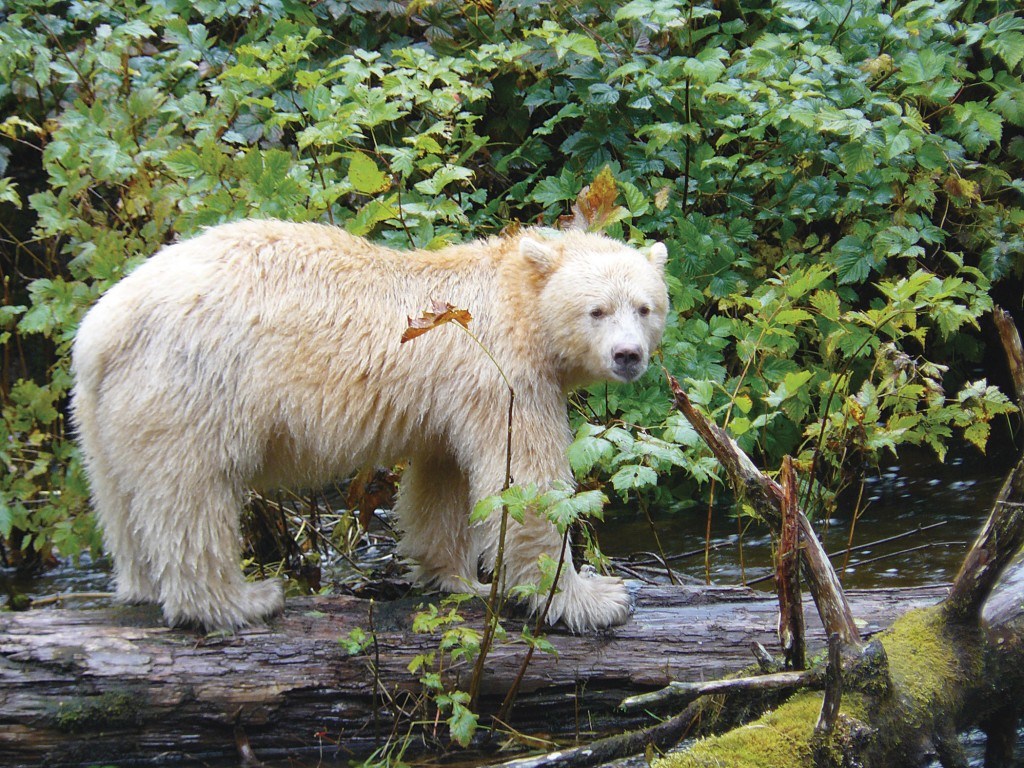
<point x="838" y="183"/>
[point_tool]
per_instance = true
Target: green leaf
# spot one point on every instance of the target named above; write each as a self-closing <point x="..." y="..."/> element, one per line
<point x="9" y="192"/>
<point x="442" y="177"/>
<point x="6" y="520"/>
<point x="853" y="259"/>
<point x="977" y="125"/>
<point x="633" y="477"/>
<point x="857" y="157"/>
<point x="588" y="449"/>
<point x="462" y="723"/>
<point x="564" y="512"/>
<point x="365" y="176"/>
<point x="184" y="163"/>
<point x="557" y="189"/>
<point x="485" y="508"/>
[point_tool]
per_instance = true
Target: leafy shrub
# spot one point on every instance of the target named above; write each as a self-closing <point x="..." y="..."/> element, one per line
<point x="838" y="184"/>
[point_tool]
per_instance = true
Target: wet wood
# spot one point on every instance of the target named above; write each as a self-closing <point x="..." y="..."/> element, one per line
<point x="675" y="692"/>
<point x="113" y="685"/>
<point x="997" y="544"/>
<point x="787" y="573"/>
<point x="1010" y="338"/>
<point x="767" y="498"/>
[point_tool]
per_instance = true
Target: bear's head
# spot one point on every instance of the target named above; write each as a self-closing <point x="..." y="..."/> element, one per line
<point x="602" y="304"/>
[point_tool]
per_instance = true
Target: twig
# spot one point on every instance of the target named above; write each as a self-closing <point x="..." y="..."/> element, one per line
<point x="505" y="711"/>
<point x="60" y="598"/>
<point x="787" y="573"/>
<point x="678" y="692"/>
<point x="660" y="736"/>
<point x="875" y="543"/>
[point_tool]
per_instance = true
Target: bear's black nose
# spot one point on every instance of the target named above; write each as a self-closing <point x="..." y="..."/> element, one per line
<point x="626" y="357"/>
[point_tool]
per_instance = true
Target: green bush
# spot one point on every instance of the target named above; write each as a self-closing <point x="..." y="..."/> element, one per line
<point x="838" y="184"/>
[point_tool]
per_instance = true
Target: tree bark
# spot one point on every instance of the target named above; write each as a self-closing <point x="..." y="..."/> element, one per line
<point x="114" y="685"/>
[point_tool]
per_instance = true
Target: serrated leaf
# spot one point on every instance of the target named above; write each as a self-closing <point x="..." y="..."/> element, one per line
<point x="595" y="207"/>
<point x="977" y="434"/>
<point x="184" y="163"/>
<point x="485" y="508"/>
<point x="442" y="177"/>
<point x="567" y="511"/>
<point x="587" y="450"/>
<point x="827" y="303"/>
<point x="633" y="477"/>
<point x="602" y="93"/>
<point x="856" y="157"/>
<point x="556" y="189"/>
<point x="462" y="724"/>
<point x="365" y="176"/>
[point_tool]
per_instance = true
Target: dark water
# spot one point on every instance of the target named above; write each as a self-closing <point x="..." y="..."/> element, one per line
<point x="935" y="509"/>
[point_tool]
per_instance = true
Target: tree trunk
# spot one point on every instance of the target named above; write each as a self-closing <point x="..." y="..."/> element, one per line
<point x="114" y="685"/>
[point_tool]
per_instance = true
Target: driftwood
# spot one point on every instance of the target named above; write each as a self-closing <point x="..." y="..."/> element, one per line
<point x="113" y="685"/>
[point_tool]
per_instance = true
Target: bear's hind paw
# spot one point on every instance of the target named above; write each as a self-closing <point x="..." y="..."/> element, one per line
<point x="229" y="608"/>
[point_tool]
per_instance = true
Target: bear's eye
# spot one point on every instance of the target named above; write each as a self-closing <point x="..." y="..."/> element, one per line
<point x="597" y="313"/>
<point x="644" y="310"/>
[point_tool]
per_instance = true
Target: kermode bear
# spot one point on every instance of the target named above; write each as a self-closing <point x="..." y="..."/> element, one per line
<point x="263" y="354"/>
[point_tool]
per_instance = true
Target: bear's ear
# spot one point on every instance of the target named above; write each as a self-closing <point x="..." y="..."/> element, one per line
<point x="538" y="254"/>
<point x="657" y="254"/>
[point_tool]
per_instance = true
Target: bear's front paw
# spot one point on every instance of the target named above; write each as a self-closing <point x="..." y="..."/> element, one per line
<point x="588" y="601"/>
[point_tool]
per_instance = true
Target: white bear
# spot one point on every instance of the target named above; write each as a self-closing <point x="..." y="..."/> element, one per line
<point x="264" y="353"/>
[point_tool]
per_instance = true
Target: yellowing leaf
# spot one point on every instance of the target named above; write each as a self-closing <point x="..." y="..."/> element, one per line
<point x="962" y="189"/>
<point x="595" y="207"/>
<point x="661" y="198"/>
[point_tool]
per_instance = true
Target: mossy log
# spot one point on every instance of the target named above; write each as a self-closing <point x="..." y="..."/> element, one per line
<point x="939" y="677"/>
<point x="113" y="685"/>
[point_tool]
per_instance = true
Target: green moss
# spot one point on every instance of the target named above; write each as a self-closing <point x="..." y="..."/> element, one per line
<point x="781" y="738"/>
<point x="86" y="713"/>
<point x="925" y="655"/>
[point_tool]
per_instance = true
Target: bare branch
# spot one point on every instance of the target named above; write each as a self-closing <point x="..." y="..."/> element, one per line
<point x="787" y="573"/>
<point x="677" y="692"/>
<point x="766" y="497"/>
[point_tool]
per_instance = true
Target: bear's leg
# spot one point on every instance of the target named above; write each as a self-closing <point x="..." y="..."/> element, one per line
<point x="433" y="513"/>
<point x="112" y="507"/>
<point x="582" y="600"/>
<point x="189" y="529"/>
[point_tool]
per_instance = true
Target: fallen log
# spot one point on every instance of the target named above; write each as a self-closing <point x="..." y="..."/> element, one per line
<point x="114" y="686"/>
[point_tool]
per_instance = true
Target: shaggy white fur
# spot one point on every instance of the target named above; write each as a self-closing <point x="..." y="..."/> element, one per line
<point x="264" y="353"/>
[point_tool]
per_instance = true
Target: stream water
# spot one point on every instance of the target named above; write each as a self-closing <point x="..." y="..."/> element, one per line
<point x="925" y="513"/>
